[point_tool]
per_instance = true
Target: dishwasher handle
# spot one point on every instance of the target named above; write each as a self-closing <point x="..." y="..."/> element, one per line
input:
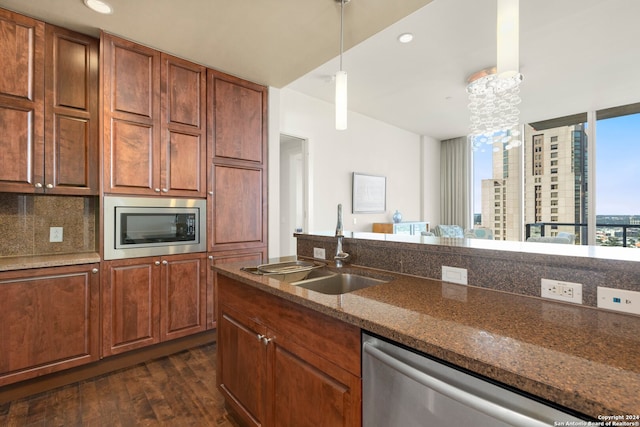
<point x="485" y="406"/>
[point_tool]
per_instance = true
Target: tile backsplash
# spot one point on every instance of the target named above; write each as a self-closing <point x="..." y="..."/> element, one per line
<point x="25" y="220"/>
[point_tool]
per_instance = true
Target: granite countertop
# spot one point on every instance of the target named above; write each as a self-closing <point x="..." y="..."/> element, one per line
<point x="579" y="357"/>
<point x="40" y="261"/>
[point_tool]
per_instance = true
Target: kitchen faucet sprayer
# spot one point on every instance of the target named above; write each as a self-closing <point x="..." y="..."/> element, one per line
<point x="339" y="230"/>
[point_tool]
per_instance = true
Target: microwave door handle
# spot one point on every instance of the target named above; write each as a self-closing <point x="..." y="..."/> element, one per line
<point x="492" y="409"/>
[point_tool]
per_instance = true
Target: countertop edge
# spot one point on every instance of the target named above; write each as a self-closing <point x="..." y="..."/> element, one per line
<point x="43" y="261"/>
<point x="541" y="390"/>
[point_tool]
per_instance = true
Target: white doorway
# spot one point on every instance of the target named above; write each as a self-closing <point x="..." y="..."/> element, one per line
<point x="293" y="191"/>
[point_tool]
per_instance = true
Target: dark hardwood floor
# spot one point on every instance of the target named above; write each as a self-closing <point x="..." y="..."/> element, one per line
<point x="178" y="390"/>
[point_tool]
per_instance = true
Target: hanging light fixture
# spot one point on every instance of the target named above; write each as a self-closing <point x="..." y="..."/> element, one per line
<point x="494" y="93"/>
<point x="341" y="79"/>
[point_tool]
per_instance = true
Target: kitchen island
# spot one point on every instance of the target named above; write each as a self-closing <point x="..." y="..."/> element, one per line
<point x="581" y="358"/>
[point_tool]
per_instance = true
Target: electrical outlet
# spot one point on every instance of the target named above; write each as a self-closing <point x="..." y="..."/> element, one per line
<point x="454" y="275"/>
<point x="319" y="253"/>
<point x="619" y="300"/>
<point x="55" y="234"/>
<point x="561" y="291"/>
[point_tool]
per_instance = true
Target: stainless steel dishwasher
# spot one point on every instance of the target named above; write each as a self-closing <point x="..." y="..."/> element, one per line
<point x="403" y="388"/>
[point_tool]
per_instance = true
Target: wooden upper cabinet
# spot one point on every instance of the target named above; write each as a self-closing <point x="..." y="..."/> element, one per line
<point x="184" y="139"/>
<point x="131" y="89"/>
<point x="238" y="208"/>
<point x="238" y="111"/>
<point x="154" y="122"/>
<point x="22" y="48"/>
<point x="48" y="108"/>
<point x="237" y="126"/>
<point x="71" y="108"/>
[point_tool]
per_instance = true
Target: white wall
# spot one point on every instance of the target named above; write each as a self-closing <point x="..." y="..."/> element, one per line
<point x="367" y="146"/>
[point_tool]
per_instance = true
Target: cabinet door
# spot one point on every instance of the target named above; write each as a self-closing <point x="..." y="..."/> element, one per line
<point x="71" y="123"/>
<point x="130" y="305"/>
<point x="308" y="390"/>
<point x="183" y="300"/>
<point x="49" y="320"/>
<point x="237" y="208"/>
<point x="183" y="106"/>
<point x="249" y="257"/>
<point x="22" y="50"/>
<point x="238" y="124"/>
<point x="241" y="365"/>
<point x="131" y="86"/>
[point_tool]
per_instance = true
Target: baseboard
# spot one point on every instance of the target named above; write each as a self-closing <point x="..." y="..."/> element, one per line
<point x="110" y="364"/>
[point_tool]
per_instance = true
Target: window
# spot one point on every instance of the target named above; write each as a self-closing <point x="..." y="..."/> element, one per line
<point x="617" y="155"/>
<point x="556" y="154"/>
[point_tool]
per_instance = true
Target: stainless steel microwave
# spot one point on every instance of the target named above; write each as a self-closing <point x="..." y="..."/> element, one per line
<point x="149" y="226"/>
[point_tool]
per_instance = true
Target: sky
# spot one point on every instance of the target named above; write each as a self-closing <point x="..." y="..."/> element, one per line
<point x="617" y="167"/>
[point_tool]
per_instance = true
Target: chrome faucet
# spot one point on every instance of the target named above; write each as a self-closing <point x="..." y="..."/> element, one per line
<point x="340" y="254"/>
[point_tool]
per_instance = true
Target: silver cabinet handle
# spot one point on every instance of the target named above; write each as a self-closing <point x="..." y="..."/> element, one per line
<point x="157" y="263"/>
<point x="94" y="271"/>
<point x="165" y="262"/>
<point x="38" y="185"/>
<point x="211" y="193"/>
<point x="157" y="190"/>
<point x="49" y="186"/>
<point x="165" y="190"/>
<point x="264" y="339"/>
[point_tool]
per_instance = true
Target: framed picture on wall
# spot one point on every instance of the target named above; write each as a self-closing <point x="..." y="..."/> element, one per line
<point x="369" y="193"/>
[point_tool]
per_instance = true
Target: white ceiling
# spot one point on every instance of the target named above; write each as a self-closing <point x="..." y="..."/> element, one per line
<point x="574" y="54"/>
<point x="270" y="42"/>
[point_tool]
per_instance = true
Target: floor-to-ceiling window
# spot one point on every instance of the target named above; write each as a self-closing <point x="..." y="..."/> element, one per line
<point x="551" y="171"/>
<point x="617" y="184"/>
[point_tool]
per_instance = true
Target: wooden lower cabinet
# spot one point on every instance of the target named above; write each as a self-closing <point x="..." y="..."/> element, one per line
<point x="251" y="257"/>
<point x="49" y="320"/>
<point x="149" y="300"/>
<point x="281" y="364"/>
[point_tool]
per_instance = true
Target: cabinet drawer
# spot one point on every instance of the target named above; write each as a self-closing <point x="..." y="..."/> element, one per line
<point x="333" y="340"/>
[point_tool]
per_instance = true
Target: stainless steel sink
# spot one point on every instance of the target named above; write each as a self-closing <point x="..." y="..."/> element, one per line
<point x="332" y="283"/>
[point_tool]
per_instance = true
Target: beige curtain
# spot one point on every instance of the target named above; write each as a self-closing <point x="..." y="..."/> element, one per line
<point x="455" y="182"/>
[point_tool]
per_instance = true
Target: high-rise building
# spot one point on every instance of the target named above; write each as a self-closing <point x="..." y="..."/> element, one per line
<point x="501" y="196"/>
<point x="555" y="184"/>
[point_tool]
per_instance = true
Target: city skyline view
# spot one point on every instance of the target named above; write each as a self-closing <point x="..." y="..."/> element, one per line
<point x="617" y="167"/>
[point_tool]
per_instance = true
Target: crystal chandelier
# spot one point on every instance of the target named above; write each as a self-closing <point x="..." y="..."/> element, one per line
<point x="493" y="101"/>
<point x="494" y="93"/>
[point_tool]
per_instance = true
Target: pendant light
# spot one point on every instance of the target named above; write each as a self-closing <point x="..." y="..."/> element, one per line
<point x="341" y="79"/>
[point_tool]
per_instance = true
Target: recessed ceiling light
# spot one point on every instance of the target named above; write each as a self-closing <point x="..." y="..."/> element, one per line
<point x="405" y="37"/>
<point x="99" y="6"/>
